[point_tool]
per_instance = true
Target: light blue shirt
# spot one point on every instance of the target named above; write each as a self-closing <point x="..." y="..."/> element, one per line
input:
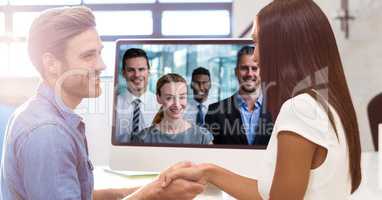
<point x="250" y="119"/>
<point x="45" y="152"/>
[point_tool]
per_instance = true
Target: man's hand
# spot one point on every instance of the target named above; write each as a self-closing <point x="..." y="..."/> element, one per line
<point x="185" y="171"/>
<point x="177" y="188"/>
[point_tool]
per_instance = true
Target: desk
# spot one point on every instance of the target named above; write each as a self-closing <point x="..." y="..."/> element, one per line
<point x="370" y="188"/>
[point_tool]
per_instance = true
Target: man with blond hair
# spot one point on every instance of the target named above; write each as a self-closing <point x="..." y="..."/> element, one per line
<point x="45" y="153"/>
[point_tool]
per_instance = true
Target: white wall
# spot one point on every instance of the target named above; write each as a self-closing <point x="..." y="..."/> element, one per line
<point x="360" y="53"/>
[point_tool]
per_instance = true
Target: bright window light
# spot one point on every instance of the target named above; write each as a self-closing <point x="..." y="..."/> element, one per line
<point x="22" y="22"/>
<point x="2" y="23"/>
<point x="19" y="63"/>
<point x="117" y="1"/>
<point x="216" y="22"/>
<point x="195" y="1"/>
<point x="3" y="2"/>
<point x="4" y="67"/>
<point x="44" y="2"/>
<point x="124" y="22"/>
<point x="108" y="56"/>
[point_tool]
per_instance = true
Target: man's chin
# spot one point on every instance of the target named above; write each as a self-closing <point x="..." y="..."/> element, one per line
<point x="249" y="89"/>
<point x="199" y="98"/>
<point x="136" y="89"/>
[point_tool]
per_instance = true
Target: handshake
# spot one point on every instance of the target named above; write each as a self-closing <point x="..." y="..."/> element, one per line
<point x="182" y="181"/>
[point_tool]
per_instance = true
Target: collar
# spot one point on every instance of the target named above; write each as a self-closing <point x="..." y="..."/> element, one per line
<point x="130" y="97"/>
<point x="194" y="102"/>
<point x="240" y="101"/>
<point x="54" y="99"/>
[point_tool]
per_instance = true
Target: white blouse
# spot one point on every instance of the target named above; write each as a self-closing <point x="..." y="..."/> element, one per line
<point x="304" y="116"/>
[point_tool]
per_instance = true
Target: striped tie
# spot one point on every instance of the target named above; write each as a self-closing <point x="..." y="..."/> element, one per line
<point x="136" y="115"/>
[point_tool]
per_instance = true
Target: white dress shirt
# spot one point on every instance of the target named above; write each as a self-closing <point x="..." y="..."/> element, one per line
<point x="124" y="116"/>
<point x="304" y="116"/>
<point x="192" y="109"/>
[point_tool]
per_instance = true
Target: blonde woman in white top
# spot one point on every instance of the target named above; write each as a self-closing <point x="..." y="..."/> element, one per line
<point x="314" y="151"/>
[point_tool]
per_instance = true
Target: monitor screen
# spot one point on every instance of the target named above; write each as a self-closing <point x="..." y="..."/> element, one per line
<point x="182" y="57"/>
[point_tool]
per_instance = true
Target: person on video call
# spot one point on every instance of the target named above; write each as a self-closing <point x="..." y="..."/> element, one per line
<point x="45" y="153"/>
<point x="197" y="106"/>
<point x="169" y="125"/>
<point x="136" y="106"/>
<point x="314" y="151"/>
<point x="243" y="117"/>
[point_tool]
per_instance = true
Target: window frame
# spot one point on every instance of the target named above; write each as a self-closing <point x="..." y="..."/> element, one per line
<point x="156" y="8"/>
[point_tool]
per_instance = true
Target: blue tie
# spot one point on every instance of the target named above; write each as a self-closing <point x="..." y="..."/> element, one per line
<point x="199" y="116"/>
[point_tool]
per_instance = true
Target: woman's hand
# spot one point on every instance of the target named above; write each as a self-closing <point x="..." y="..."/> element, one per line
<point x="184" y="170"/>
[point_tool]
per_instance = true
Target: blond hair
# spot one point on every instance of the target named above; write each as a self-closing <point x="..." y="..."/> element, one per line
<point x="52" y="29"/>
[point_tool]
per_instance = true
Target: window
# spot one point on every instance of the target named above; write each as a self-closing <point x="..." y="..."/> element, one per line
<point x="194" y="1"/>
<point x="4" y="67"/>
<point x="124" y="22"/>
<point x="108" y="56"/>
<point x="196" y="22"/>
<point x="22" y="22"/>
<point x="117" y="1"/>
<point x="2" y="24"/>
<point x="44" y="2"/>
<point x="115" y="19"/>
<point x="19" y="62"/>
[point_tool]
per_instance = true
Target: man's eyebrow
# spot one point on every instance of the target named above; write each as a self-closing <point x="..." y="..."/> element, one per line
<point x="139" y="67"/>
<point x="91" y="51"/>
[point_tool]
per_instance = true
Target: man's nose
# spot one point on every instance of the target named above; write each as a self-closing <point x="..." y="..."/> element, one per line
<point x="252" y="72"/>
<point x="136" y="73"/>
<point x="202" y="87"/>
<point x="100" y="65"/>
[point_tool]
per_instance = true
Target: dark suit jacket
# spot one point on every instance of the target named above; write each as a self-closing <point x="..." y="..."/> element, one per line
<point x="223" y="119"/>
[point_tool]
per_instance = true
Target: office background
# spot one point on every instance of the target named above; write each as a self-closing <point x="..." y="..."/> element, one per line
<point x="161" y="19"/>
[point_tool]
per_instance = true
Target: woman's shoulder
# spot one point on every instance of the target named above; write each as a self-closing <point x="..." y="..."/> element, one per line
<point x="304" y="115"/>
<point x="304" y="107"/>
<point x="149" y="130"/>
<point x="300" y="100"/>
<point x="203" y="132"/>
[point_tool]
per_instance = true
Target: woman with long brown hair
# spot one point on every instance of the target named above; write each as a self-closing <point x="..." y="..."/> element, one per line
<point x="169" y="125"/>
<point x="314" y="151"/>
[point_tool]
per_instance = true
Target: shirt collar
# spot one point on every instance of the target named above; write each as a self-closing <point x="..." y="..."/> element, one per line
<point x="130" y="97"/>
<point x="240" y="101"/>
<point x="68" y="114"/>
<point x="205" y="104"/>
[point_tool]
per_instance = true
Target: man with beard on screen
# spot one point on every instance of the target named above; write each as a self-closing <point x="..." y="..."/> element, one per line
<point x="242" y="118"/>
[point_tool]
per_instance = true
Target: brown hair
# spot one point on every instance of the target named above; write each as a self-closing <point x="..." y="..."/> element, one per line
<point x="167" y="78"/>
<point x="296" y="43"/>
<point x="51" y="30"/>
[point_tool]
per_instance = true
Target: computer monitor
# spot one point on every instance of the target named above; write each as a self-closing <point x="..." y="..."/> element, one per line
<point x="182" y="56"/>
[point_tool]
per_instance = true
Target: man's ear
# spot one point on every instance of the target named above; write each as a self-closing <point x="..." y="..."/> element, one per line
<point x="51" y="65"/>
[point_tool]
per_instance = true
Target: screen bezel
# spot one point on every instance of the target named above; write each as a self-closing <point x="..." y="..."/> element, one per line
<point x="178" y="42"/>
